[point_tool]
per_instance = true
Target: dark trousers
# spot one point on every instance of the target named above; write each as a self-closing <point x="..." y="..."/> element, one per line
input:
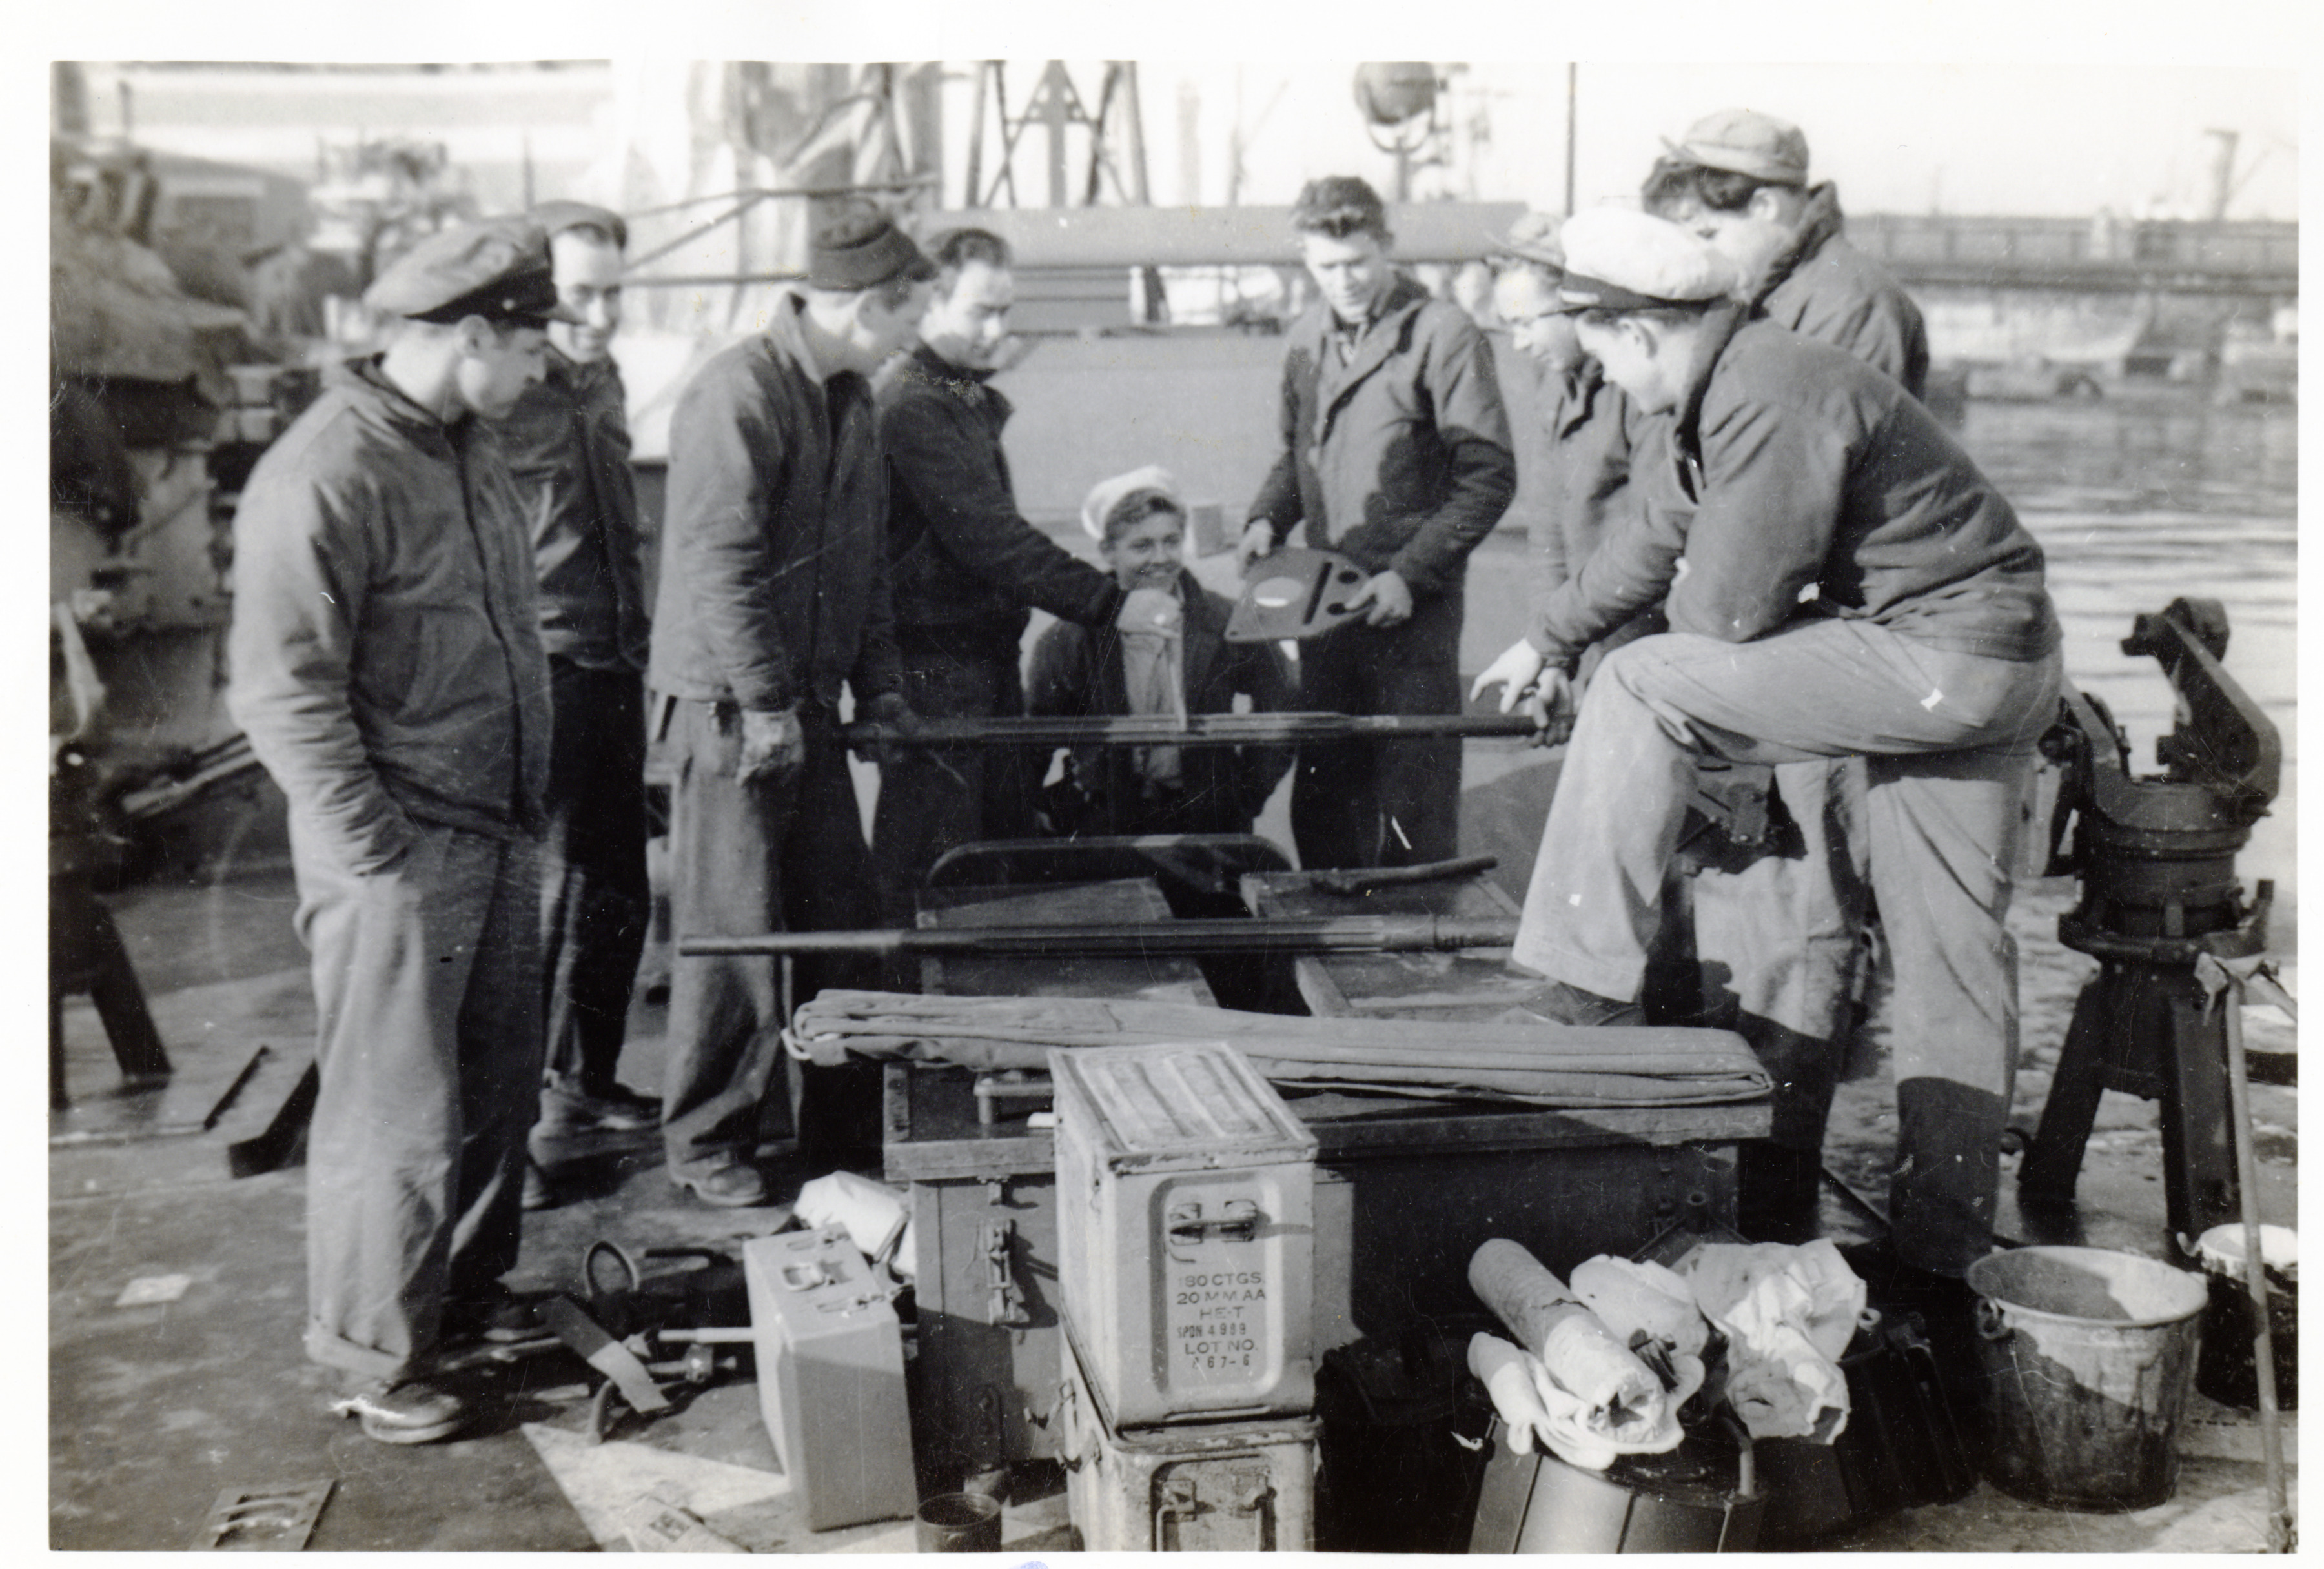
<point x="426" y="990"/>
<point x="933" y="800"/>
<point x="1381" y="803"/>
<point x="766" y="856"/>
<point x="594" y="903"/>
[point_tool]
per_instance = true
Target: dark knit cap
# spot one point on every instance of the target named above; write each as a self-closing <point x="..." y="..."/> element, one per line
<point x="864" y="250"/>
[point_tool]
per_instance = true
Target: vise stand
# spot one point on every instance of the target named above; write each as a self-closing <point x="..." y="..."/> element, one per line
<point x="2156" y="858"/>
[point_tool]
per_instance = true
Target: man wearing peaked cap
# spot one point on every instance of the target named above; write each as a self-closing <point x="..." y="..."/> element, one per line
<point x="387" y="672"/>
<point x="1853" y="587"/>
<point x="774" y="593"/>
<point x="497" y="270"/>
<point x="1740" y="179"/>
<point x="568" y="447"/>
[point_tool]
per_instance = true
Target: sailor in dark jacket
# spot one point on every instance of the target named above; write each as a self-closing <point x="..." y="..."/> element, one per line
<point x="1852" y="585"/>
<point x="966" y="567"/>
<point x="569" y="446"/>
<point x="1778" y="933"/>
<point x="386" y="666"/>
<point x="1165" y="657"/>
<point x="774" y="591"/>
<point x="1395" y="454"/>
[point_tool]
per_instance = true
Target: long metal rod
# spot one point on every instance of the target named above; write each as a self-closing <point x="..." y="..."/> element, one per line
<point x="1211" y="730"/>
<point x="2279" y="1514"/>
<point x="1318" y="934"/>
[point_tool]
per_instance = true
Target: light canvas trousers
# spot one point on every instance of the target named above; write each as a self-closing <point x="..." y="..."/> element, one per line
<point x="1948" y="740"/>
<point x="427" y="1000"/>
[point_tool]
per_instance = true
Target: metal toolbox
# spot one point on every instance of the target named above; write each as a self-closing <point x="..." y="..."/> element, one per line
<point x="1185" y="1233"/>
<point x="831" y="1378"/>
<point x="1408" y="1189"/>
<point x="1225" y="1487"/>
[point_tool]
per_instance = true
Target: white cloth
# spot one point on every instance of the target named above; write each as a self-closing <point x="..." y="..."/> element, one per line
<point x="1652" y="1310"/>
<point x="1788" y="1314"/>
<point x="1152" y="624"/>
<point x="1540" y="1407"/>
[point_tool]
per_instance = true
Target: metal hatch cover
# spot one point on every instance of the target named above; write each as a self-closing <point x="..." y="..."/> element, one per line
<point x="1295" y="593"/>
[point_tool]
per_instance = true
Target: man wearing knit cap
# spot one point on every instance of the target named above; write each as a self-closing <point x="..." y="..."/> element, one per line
<point x="1852" y="585"/>
<point x="1740" y="181"/>
<point x="569" y="446"/>
<point x="387" y="669"/>
<point x="774" y="593"/>
<point x="967" y="566"/>
<point x="1395" y="454"/>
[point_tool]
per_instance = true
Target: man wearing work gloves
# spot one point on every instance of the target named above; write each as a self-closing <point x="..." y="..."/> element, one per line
<point x="774" y="591"/>
<point x="966" y="566"/>
<point x="1395" y="454"/>
<point x="1852" y="585"/>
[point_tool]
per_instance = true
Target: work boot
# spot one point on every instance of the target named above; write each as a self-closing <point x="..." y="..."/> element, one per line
<point x="1560" y="1004"/>
<point x="728" y="1184"/>
<point x="615" y="1109"/>
<point x="404" y="1410"/>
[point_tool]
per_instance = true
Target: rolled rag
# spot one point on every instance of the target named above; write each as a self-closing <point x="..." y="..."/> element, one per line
<point x="1622" y="1405"/>
<point x="1653" y="1311"/>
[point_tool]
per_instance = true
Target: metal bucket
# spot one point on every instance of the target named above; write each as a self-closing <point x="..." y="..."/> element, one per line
<point x="2088" y="1356"/>
<point x="2226" y="1370"/>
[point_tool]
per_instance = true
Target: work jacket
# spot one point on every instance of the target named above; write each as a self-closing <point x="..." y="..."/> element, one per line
<point x="1400" y="458"/>
<point x="965" y="563"/>
<point x="774" y="563"/>
<point x="1077" y="671"/>
<point x="567" y="441"/>
<point x="1796" y="480"/>
<point x="386" y="660"/>
<point x="1825" y="289"/>
<point x="1588" y="431"/>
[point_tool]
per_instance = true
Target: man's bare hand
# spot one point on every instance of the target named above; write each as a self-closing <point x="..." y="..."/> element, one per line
<point x="1257" y="539"/>
<point x="1389" y="597"/>
<point x="774" y="747"/>
<point x="1515" y="671"/>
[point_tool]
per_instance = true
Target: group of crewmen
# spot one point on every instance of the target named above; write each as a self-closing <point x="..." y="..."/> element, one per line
<point x="1755" y="539"/>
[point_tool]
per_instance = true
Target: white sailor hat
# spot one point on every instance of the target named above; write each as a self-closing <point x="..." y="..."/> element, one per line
<point x="1107" y="496"/>
<point x="1620" y="259"/>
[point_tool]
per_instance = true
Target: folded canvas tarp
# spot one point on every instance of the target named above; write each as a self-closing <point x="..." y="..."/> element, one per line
<point x="1540" y="1064"/>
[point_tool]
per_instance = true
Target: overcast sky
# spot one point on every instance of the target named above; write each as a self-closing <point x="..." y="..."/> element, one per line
<point x="1900" y="138"/>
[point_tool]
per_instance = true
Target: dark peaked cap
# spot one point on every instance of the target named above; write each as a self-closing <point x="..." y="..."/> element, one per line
<point x="497" y="269"/>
